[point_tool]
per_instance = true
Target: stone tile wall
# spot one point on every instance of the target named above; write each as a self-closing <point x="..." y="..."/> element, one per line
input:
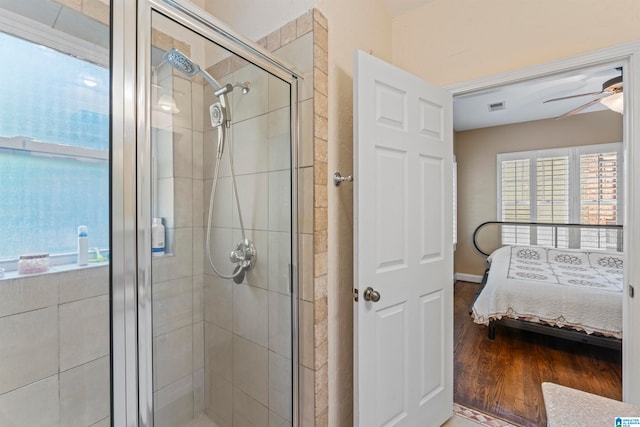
<point x="303" y="43"/>
<point x="311" y="31"/>
<point x="54" y="348"/>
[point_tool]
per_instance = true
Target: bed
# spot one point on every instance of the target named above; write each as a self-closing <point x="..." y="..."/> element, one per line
<point x="573" y="293"/>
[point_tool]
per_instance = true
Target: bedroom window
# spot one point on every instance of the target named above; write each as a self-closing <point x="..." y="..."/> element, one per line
<point x="571" y="185"/>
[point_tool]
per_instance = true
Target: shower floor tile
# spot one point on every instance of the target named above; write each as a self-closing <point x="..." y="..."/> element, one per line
<point x="201" y="421"/>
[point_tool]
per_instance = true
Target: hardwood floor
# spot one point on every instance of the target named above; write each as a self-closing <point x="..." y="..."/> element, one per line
<point x="503" y="377"/>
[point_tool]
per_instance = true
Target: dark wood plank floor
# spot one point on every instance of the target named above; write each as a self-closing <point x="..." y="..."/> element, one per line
<point x="503" y="377"/>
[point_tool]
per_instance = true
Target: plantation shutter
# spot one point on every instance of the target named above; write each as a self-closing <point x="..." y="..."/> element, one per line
<point x="515" y="199"/>
<point x="599" y="197"/>
<point x="564" y="185"/>
<point x="552" y="199"/>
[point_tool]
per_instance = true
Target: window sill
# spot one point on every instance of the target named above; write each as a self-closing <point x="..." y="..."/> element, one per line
<point x="61" y="268"/>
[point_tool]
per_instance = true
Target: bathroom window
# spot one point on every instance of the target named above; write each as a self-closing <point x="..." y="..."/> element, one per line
<point x="54" y="149"/>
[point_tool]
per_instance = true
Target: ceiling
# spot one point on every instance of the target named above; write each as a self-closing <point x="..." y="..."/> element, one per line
<point x="524" y="101"/>
<point x="66" y="20"/>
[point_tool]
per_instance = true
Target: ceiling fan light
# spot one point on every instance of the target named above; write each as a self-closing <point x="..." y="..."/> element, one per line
<point x="614" y="102"/>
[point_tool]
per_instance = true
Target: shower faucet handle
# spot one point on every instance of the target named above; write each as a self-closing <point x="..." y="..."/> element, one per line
<point x="244" y="254"/>
<point x="236" y="256"/>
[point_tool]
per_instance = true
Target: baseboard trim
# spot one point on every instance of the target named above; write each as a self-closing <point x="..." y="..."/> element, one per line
<point x="474" y="278"/>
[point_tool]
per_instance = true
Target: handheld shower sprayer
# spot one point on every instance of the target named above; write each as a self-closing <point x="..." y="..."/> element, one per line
<point x="244" y="256"/>
<point x="182" y="63"/>
<point x="186" y="66"/>
<point x="219" y="110"/>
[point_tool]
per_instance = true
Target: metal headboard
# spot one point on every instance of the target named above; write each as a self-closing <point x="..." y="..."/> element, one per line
<point x="555" y="227"/>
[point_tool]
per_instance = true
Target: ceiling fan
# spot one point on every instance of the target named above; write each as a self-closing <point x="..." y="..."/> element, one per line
<point x="612" y="100"/>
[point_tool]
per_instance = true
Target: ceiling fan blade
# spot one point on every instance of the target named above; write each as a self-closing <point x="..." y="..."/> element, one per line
<point x="572" y="96"/>
<point x="580" y="108"/>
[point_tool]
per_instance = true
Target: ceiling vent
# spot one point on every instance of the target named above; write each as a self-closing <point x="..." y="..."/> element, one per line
<point x="495" y="106"/>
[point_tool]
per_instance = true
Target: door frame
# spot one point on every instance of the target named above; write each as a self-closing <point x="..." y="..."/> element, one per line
<point x="629" y="55"/>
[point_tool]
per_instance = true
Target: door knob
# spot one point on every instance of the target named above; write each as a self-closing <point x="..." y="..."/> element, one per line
<point x="371" y="294"/>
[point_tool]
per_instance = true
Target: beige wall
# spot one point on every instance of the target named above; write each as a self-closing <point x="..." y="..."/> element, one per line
<point x="476" y="155"/>
<point x="449" y="41"/>
<point x="364" y="25"/>
<point x="467" y="49"/>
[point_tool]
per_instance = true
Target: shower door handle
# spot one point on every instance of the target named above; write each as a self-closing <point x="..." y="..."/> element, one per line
<point x="371" y="294"/>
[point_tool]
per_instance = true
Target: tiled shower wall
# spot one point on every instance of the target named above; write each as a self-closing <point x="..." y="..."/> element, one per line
<point x="248" y="325"/>
<point x="177" y="277"/>
<point x="54" y="348"/>
<point x="181" y="321"/>
<point x="304" y="44"/>
<point x="232" y="359"/>
<point x="246" y="347"/>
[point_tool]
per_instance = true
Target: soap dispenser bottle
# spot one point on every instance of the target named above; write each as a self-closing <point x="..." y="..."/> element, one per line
<point x="157" y="237"/>
<point x="83" y="245"/>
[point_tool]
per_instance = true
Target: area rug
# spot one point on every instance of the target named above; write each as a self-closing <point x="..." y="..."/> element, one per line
<point x="479" y="417"/>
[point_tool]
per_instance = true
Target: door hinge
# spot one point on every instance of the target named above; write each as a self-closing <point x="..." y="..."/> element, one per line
<point x="631" y="291"/>
<point x="355" y="295"/>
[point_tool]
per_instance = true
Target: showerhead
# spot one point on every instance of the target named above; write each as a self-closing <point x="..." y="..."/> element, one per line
<point x="217" y="114"/>
<point x="181" y="62"/>
<point x="186" y="66"/>
<point x="246" y="87"/>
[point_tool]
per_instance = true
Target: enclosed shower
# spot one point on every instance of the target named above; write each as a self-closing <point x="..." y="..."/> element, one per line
<point x="148" y="265"/>
<point x="221" y="173"/>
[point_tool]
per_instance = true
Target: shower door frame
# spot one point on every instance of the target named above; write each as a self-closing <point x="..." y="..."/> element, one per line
<point x="123" y="263"/>
<point x="204" y="24"/>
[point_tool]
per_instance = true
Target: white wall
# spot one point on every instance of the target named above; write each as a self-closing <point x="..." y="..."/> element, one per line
<point x="255" y="19"/>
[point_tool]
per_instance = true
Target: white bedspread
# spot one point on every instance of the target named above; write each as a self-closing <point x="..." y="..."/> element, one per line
<point x="563" y="287"/>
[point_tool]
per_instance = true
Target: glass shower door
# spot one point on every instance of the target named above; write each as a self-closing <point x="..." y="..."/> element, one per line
<point x="221" y="248"/>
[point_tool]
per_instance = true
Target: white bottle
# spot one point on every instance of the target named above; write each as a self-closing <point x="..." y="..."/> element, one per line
<point x="83" y="245"/>
<point x="157" y="237"/>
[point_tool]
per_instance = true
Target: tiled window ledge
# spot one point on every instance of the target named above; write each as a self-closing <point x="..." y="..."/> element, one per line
<point x="13" y="274"/>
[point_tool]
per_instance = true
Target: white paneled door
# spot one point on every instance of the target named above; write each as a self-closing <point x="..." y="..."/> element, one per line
<point x="403" y="316"/>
